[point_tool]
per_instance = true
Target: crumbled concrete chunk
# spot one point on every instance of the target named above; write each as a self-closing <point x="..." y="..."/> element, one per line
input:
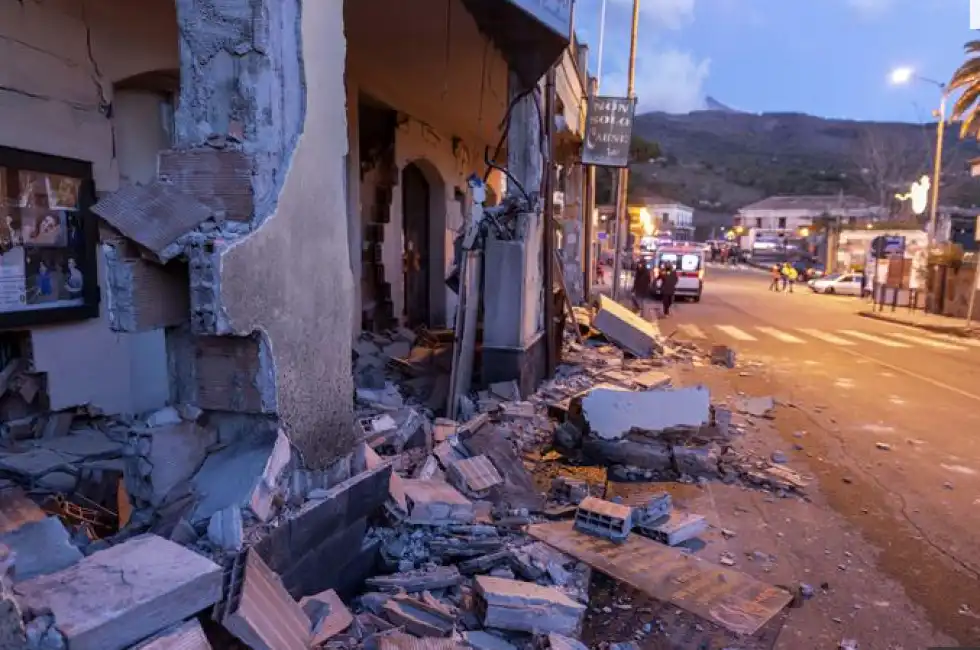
<point x="225" y="529"/>
<point x="611" y="413"/>
<point x="41" y="547"/>
<point x="635" y="334"/>
<point x="527" y="607"/>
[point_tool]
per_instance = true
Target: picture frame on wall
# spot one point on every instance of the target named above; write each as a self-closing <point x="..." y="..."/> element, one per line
<point x="48" y="240"/>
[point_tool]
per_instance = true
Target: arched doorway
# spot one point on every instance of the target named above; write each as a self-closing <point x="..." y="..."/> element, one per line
<point x="416" y="220"/>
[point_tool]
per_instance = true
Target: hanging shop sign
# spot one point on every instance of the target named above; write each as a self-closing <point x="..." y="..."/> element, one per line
<point x="48" y="240"/>
<point x="608" y="131"/>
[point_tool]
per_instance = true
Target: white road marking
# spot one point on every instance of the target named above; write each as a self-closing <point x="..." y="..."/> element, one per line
<point x="959" y="469"/>
<point x="956" y="340"/>
<point x="874" y="339"/>
<point x="778" y="334"/>
<point x="844" y="382"/>
<point x="825" y="336"/>
<point x="736" y="333"/>
<point x="926" y="341"/>
<point x="692" y="331"/>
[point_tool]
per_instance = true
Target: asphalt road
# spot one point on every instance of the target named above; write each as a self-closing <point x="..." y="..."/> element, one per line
<point x="890" y="417"/>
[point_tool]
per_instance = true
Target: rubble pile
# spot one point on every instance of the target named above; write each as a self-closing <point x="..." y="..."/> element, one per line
<point x="183" y="530"/>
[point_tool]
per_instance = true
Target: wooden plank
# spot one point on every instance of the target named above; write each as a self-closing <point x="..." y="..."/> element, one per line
<point x="723" y="596"/>
<point x="116" y="597"/>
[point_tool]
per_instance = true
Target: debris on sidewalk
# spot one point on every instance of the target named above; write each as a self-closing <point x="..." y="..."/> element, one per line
<point x="428" y="535"/>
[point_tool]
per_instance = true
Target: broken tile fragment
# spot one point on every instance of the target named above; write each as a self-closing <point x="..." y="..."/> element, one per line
<point x="474" y="476"/>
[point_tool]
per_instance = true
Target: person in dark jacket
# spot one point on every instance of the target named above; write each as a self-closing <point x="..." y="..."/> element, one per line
<point x="667" y="287"/>
<point x="641" y="286"/>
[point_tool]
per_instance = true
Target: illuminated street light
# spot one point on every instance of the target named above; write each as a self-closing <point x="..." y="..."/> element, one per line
<point x="904" y="75"/>
<point x="804" y="232"/>
<point x="901" y="76"/>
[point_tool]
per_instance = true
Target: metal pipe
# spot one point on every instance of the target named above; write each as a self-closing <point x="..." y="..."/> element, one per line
<point x="588" y="210"/>
<point x="624" y="171"/>
<point x="602" y="38"/>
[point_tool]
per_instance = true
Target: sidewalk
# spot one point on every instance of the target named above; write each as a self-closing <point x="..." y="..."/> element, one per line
<point x="921" y="320"/>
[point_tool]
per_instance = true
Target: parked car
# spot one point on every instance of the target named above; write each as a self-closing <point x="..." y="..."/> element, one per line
<point x="844" y="284"/>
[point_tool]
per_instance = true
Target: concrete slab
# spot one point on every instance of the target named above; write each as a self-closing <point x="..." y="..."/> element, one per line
<point x="16" y="510"/>
<point x="612" y="413"/>
<point x="41" y="547"/>
<point x="114" y="598"/>
<point x="633" y="333"/>
<point x="241" y="474"/>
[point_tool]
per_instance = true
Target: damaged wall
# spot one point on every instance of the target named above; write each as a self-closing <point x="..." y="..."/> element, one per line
<point x="247" y="93"/>
<point x="61" y="59"/>
<point x="451" y="97"/>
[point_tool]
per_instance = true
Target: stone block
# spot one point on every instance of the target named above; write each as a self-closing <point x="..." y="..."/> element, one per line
<point x="722" y="355"/>
<point x="230" y="375"/>
<point x="654" y="456"/>
<point x="172" y="453"/>
<point x="114" y="598"/>
<point x="678" y="528"/>
<point x="527" y="607"/>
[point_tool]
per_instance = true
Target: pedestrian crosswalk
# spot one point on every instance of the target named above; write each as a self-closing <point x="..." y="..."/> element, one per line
<point x="840" y="338"/>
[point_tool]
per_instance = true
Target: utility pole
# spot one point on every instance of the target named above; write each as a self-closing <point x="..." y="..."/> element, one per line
<point x="551" y="355"/>
<point x="937" y="167"/>
<point x="623" y="184"/>
<point x="588" y="236"/>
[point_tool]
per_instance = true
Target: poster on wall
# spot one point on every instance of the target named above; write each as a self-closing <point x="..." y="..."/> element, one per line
<point x="44" y="256"/>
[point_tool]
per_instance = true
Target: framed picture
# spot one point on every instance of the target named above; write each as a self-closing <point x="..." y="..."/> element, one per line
<point x="48" y="240"/>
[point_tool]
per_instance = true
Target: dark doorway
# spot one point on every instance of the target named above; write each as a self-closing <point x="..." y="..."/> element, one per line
<point x="415" y="221"/>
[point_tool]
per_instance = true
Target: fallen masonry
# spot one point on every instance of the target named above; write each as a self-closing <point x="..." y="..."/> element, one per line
<point x="181" y="530"/>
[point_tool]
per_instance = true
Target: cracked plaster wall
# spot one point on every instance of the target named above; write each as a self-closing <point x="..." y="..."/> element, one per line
<point x="290" y="279"/>
<point x="61" y="59"/>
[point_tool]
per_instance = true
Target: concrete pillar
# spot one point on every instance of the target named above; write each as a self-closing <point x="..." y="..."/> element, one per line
<point x="262" y="139"/>
<point x="513" y="300"/>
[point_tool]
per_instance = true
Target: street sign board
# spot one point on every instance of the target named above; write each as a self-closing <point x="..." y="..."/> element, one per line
<point x="608" y="131"/>
<point x="976" y="230"/>
<point x="888" y="245"/>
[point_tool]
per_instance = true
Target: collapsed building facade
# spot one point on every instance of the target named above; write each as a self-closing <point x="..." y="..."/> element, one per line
<point x="229" y="192"/>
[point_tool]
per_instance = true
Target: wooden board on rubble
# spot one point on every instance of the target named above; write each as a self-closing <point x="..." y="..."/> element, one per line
<point x="731" y="599"/>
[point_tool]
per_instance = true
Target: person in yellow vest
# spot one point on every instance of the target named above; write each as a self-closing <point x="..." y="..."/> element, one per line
<point x="789" y="276"/>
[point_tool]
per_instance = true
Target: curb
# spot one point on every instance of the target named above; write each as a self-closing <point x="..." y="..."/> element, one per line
<point x="953" y="330"/>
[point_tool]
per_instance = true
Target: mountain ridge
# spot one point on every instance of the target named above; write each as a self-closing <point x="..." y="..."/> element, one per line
<point x="722" y="159"/>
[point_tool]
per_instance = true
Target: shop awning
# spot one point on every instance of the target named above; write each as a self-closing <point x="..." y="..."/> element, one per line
<point x="531" y="34"/>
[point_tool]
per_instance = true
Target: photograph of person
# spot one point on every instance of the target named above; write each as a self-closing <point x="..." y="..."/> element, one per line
<point x="44" y="276"/>
<point x="10" y="231"/>
<point x="62" y="192"/>
<point x="44" y="228"/>
<point x="74" y="283"/>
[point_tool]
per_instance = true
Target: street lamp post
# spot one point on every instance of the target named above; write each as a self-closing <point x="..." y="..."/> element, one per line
<point x="903" y="76"/>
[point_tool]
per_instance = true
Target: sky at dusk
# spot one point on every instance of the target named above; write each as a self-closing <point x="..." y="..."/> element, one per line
<point x="829" y="58"/>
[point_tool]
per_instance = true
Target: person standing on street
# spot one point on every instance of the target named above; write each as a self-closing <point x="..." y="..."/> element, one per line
<point x="641" y="286"/>
<point x="774" y="277"/>
<point x="790" y="277"/>
<point x="784" y="274"/>
<point x="667" y="287"/>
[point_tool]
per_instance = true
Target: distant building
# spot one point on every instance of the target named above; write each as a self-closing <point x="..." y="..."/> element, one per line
<point x="674" y="217"/>
<point x="784" y="216"/>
